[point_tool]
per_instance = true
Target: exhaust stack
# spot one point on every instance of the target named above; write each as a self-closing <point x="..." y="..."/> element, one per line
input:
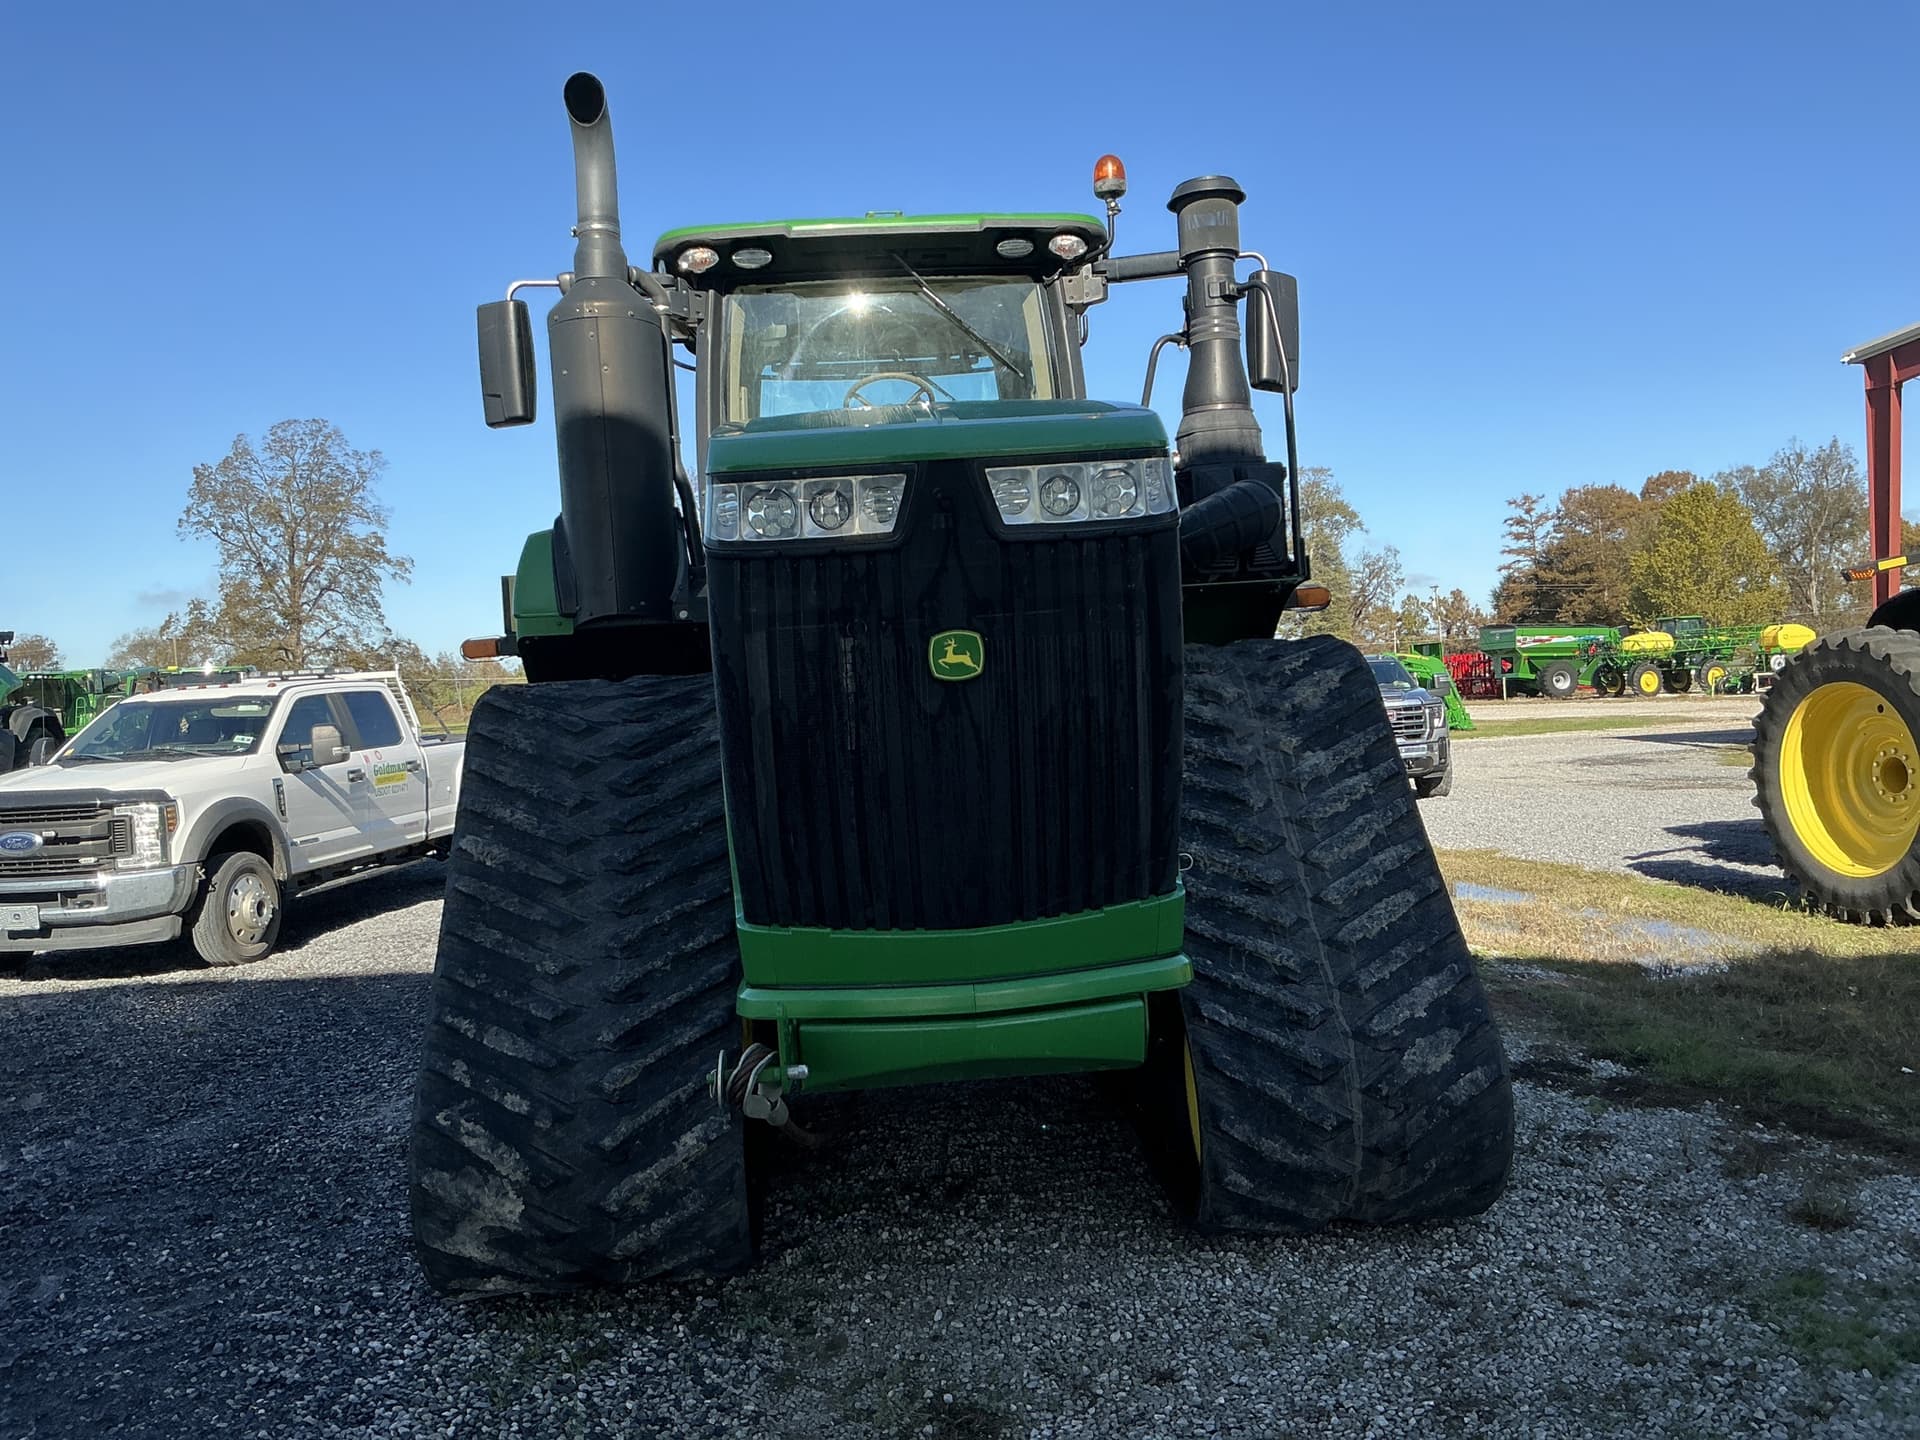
<point x="599" y="253"/>
<point x="618" y="538"/>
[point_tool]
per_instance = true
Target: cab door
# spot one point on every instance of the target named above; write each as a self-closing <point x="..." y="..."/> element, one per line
<point x="393" y="801"/>
<point x="322" y="801"/>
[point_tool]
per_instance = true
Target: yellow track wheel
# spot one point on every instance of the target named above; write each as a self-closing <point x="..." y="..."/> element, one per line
<point x="1193" y="1097"/>
<point x="1850" y="775"/>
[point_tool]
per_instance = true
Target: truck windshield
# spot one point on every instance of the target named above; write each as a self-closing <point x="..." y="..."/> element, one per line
<point x="172" y="730"/>
<point x="839" y="345"/>
<point x="1390" y="674"/>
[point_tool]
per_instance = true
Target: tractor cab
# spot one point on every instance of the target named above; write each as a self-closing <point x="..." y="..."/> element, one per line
<point x="879" y="320"/>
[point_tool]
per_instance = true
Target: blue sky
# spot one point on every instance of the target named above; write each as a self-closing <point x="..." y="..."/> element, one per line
<point x="1537" y="246"/>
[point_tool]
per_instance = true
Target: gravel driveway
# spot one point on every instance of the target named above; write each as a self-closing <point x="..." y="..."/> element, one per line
<point x="1671" y="802"/>
<point x="201" y="1233"/>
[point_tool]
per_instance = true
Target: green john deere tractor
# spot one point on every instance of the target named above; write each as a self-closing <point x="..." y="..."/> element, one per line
<point x="937" y="733"/>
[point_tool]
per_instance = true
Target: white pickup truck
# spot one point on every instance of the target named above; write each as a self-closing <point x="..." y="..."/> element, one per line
<point x="201" y="807"/>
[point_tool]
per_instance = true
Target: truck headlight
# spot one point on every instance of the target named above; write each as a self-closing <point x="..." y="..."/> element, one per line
<point x="1080" y="490"/>
<point x="829" y="508"/>
<point x="150" y="824"/>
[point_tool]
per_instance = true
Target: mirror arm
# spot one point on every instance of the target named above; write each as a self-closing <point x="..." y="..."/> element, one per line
<point x="1153" y="359"/>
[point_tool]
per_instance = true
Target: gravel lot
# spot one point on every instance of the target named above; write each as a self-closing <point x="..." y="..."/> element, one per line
<point x="202" y="1233"/>
<point x="1666" y="801"/>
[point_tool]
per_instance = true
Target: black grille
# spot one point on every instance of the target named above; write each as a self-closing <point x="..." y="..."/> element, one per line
<point x="74" y="838"/>
<point x="873" y="796"/>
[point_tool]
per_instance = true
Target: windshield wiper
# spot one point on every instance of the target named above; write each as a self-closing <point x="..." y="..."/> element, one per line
<point x="1000" y="356"/>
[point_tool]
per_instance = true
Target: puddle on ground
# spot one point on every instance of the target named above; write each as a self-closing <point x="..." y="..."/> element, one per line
<point x="1467" y="890"/>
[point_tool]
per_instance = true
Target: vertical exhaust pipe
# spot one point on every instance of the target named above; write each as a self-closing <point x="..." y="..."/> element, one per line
<point x="599" y="253"/>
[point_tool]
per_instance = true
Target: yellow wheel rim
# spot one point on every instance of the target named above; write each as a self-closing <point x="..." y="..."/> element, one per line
<point x="1648" y="682"/>
<point x="1850" y="775"/>
<point x="1716" y="676"/>
<point x="1193" y="1097"/>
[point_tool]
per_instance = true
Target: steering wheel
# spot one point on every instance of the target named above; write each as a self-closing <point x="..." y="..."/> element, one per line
<point x="921" y="386"/>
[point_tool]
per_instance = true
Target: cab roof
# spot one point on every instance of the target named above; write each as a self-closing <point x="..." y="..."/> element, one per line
<point x="859" y="245"/>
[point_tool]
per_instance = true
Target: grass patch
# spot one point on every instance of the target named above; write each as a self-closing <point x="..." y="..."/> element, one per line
<point x="1487" y="727"/>
<point x="1790" y="1016"/>
<point x="1840" y="1327"/>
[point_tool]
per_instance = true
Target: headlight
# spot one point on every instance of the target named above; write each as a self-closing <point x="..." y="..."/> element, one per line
<point x="1081" y="490"/>
<point x="1437" y="714"/>
<point x="829" y="508"/>
<point x="150" y="823"/>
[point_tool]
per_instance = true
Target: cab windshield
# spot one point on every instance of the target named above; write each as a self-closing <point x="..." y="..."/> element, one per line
<point x="873" y="342"/>
<point x="1389" y="673"/>
<point x="172" y="730"/>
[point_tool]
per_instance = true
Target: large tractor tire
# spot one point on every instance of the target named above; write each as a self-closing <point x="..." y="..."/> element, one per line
<point x="1836" y="773"/>
<point x="1335" y="1057"/>
<point x="1559" y="679"/>
<point x="563" y="1136"/>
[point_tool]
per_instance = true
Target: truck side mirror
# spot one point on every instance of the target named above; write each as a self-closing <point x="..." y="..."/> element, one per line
<point x="506" y="363"/>
<point x="328" y="747"/>
<point x="1273" y="330"/>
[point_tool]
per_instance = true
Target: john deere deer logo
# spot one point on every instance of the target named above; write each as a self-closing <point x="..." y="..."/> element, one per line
<point x="956" y="655"/>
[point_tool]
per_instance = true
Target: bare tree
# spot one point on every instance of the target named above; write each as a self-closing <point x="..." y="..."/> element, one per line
<point x="31" y="652"/>
<point x="303" y="544"/>
<point x="1811" y="508"/>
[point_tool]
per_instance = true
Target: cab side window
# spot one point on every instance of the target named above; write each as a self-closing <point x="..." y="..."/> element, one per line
<point x="373" y="717"/>
<point x="307" y="712"/>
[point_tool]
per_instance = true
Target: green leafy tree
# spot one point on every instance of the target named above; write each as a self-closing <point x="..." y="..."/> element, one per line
<point x="303" y="545"/>
<point x="1706" y="558"/>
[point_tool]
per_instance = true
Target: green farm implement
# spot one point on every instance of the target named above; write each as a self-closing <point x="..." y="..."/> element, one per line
<point x="1550" y="660"/>
<point x="1434" y="676"/>
<point x="1678" y="653"/>
<point x="932" y="730"/>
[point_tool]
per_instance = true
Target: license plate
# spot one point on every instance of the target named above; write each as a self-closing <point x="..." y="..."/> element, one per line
<point x="19" y="917"/>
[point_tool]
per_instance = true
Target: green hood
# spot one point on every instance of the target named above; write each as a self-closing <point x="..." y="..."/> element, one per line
<point x="961" y="430"/>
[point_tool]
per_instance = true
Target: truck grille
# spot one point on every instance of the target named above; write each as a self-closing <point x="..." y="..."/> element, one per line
<point x="1409" y="721"/>
<point x="74" y="838"/>
<point x="865" y="794"/>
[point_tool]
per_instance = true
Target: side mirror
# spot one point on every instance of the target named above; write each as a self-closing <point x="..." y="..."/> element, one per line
<point x="506" y="363"/>
<point x="1273" y="330"/>
<point x="328" y="747"/>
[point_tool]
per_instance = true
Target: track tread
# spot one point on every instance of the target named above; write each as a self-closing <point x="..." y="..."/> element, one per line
<point x="585" y="983"/>
<point x="1347" y="1063"/>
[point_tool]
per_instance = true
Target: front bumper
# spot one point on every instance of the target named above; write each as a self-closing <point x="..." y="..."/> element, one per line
<point x="89" y="912"/>
<point x="1426" y="757"/>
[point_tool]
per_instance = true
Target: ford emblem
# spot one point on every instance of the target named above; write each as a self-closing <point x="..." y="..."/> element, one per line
<point x="19" y="842"/>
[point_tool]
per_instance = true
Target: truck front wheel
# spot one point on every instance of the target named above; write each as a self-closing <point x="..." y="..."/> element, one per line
<point x="238" y="918"/>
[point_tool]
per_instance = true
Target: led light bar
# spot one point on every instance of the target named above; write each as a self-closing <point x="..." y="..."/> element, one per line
<point x="829" y="508"/>
<point x="1089" y="490"/>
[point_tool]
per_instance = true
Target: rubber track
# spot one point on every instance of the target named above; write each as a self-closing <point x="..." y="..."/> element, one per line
<point x="1882" y="659"/>
<point x="584" y="988"/>
<point x="1346" y="1060"/>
